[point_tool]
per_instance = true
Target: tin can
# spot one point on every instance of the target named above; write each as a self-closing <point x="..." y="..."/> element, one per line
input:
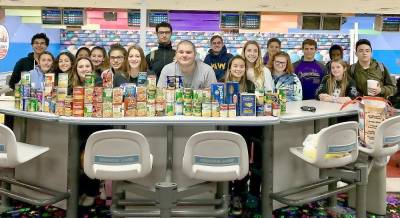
<point x="151" y="110"/>
<point x="223" y="112"/>
<point x="142" y="79"/>
<point x="178" y="108"/>
<point x="160" y="108"/>
<point x="25" y="103"/>
<point x="151" y="96"/>
<point x="206" y="109"/>
<point x="130" y="106"/>
<point x="62" y="93"/>
<point x="117" y="111"/>
<point x="197" y="109"/>
<point x="33" y="105"/>
<point x="260" y="110"/>
<point x="160" y="95"/>
<point x="151" y="82"/>
<point x="276" y="109"/>
<point x="187" y="109"/>
<point x="215" y="109"/>
<point x="282" y="99"/>
<point x="206" y="95"/>
<point x="232" y="110"/>
<point x="107" y="95"/>
<point x="107" y="109"/>
<point x="170" y="95"/>
<point x="62" y="80"/>
<point x="53" y="105"/>
<point x="88" y="95"/>
<point x="97" y="110"/>
<point x="141" y="93"/>
<point x="170" y="108"/>
<point x="17" y="91"/>
<point x="88" y="110"/>
<point x="259" y="96"/>
<point x="78" y="93"/>
<point x="49" y="79"/>
<point x="26" y="91"/>
<point x="197" y="96"/>
<point x="60" y="108"/>
<point x="25" y="78"/>
<point x="48" y="91"/>
<point x="141" y="109"/>
<point x="268" y="109"/>
<point x="188" y="95"/>
<point x="98" y="94"/>
<point x="179" y="95"/>
<point x="217" y="92"/>
<point x="46" y="105"/>
<point x="171" y="82"/>
<point x="77" y="113"/>
<point x="90" y="80"/>
<point x="117" y="95"/>
<point x="17" y="103"/>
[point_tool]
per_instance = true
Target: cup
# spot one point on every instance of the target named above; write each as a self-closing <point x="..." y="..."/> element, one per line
<point x="371" y="84"/>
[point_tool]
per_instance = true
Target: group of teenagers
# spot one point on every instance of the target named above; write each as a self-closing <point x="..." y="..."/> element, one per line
<point x="337" y="81"/>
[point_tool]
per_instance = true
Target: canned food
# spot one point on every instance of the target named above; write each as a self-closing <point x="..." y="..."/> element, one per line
<point x="88" y="95"/>
<point x="17" y="91"/>
<point x="178" y="108"/>
<point x="160" y="95"/>
<point x="178" y="82"/>
<point x="129" y="90"/>
<point x="170" y="108"/>
<point x="260" y="110"/>
<point x="197" y="109"/>
<point x="151" y="110"/>
<point x="141" y="109"/>
<point x="25" y="104"/>
<point x="97" y="110"/>
<point x="130" y="106"/>
<point x="223" y="111"/>
<point x="151" y="96"/>
<point x="17" y="103"/>
<point x="62" y="80"/>
<point x="187" y="109"/>
<point x="187" y="95"/>
<point x="90" y="80"/>
<point x="62" y="93"/>
<point x="141" y="93"/>
<point x="60" y="108"/>
<point x="142" y="79"/>
<point x="232" y="110"/>
<point x="276" y="109"/>
<point x="207" y="95"/>
<point x="117" y="95"/>
<point x="197" y="96"/>
<point x="268" y="109"/>
<point x="98" y="94"/>
<point x="26" y="91"/>
<point x="151" y="82"/>
<point x="179" y="95"/>
<point x="117" y="111"/>
<point x="78" y="93"/>
<point x="171" y="82"/>
<point x="215" y="109"/>
<point x="206" y="109"/>
<point x="107" y="109"/>
<point x="107" y="95"/>
<point x="88" y="110"/>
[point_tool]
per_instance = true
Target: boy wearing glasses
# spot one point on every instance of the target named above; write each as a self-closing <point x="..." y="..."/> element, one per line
<point x="218" y="57"/>
<point x="39" y="43"/>
<point x="309" y="70"/>
<point x="164" y="55"/>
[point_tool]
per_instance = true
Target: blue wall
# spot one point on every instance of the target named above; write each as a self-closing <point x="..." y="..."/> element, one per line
<point x="20" y="41"/>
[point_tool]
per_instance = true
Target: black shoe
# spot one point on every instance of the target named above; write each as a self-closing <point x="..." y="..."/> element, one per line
<point x="236" y="206"/>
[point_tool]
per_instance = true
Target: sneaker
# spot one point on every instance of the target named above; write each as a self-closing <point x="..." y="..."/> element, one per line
<point x="236" y="208"/>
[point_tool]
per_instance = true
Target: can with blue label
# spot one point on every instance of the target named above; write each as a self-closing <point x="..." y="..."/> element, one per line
<point x="179" y="82"/>
<point x="26" y="91"/>
<point x="218" y="92"/>
<point x="142" y="79"/>
<point x="247" y="104"/>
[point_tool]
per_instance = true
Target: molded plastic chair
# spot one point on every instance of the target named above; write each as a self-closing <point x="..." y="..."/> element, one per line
<point x="386" y="143"/>
<point x="12" y="154"/>
<point x="340" y="139"/>
<point x="216" y="156"/>
<point x="117" y="155"/>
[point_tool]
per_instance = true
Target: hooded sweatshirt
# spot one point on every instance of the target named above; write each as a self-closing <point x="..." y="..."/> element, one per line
<point x="219" y="62"/>
<point x="310" y="74"/>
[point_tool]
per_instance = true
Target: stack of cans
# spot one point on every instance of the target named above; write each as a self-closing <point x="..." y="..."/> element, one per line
<point x="130" y="100"/>
<point x="117" y="108"/>
<point x="89" y="90"/>
<point x="62" y="92"/>
<point x="151" y="96"/>
<point x="141" y="101"/>
<point x="97" y="110"/>
<point x="78" y="101"/>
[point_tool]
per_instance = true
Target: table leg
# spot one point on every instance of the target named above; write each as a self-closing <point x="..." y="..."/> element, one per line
<point x="73" y="171"/>
<point x="267" y="182"/>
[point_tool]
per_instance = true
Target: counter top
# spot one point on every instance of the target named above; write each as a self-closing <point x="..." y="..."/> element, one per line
<point x="323" y="110"/>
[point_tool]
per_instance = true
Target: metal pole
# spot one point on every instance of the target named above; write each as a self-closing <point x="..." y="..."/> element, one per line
<point x="170" y="152"/>
<point x="73" y="171"/>
<point x="267" y="162"/>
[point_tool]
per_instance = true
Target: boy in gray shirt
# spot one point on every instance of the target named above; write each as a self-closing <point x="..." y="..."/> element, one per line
<point x="196" y="74"/>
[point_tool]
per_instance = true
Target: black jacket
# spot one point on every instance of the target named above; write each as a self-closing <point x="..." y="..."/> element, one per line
<point x="23" y="64"/>
<point x="162" y="56"/>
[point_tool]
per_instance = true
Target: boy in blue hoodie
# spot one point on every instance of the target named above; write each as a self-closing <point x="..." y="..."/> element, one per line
<point x="309" y="70"/>
<point x="218" y="57"/>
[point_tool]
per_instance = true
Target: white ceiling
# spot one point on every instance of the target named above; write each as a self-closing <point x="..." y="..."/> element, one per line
<point x="316" y="6"/>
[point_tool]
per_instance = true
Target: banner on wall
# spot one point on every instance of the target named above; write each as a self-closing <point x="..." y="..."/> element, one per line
<point x="4" y="42"/>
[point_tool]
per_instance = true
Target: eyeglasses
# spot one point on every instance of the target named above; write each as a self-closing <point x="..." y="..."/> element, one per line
<point x="116" y="58"/>
<point x="280" y="63"/>
<point x="39" y="43"/>
<point x="217" y="43"/>
<point x="164" y="32"/>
